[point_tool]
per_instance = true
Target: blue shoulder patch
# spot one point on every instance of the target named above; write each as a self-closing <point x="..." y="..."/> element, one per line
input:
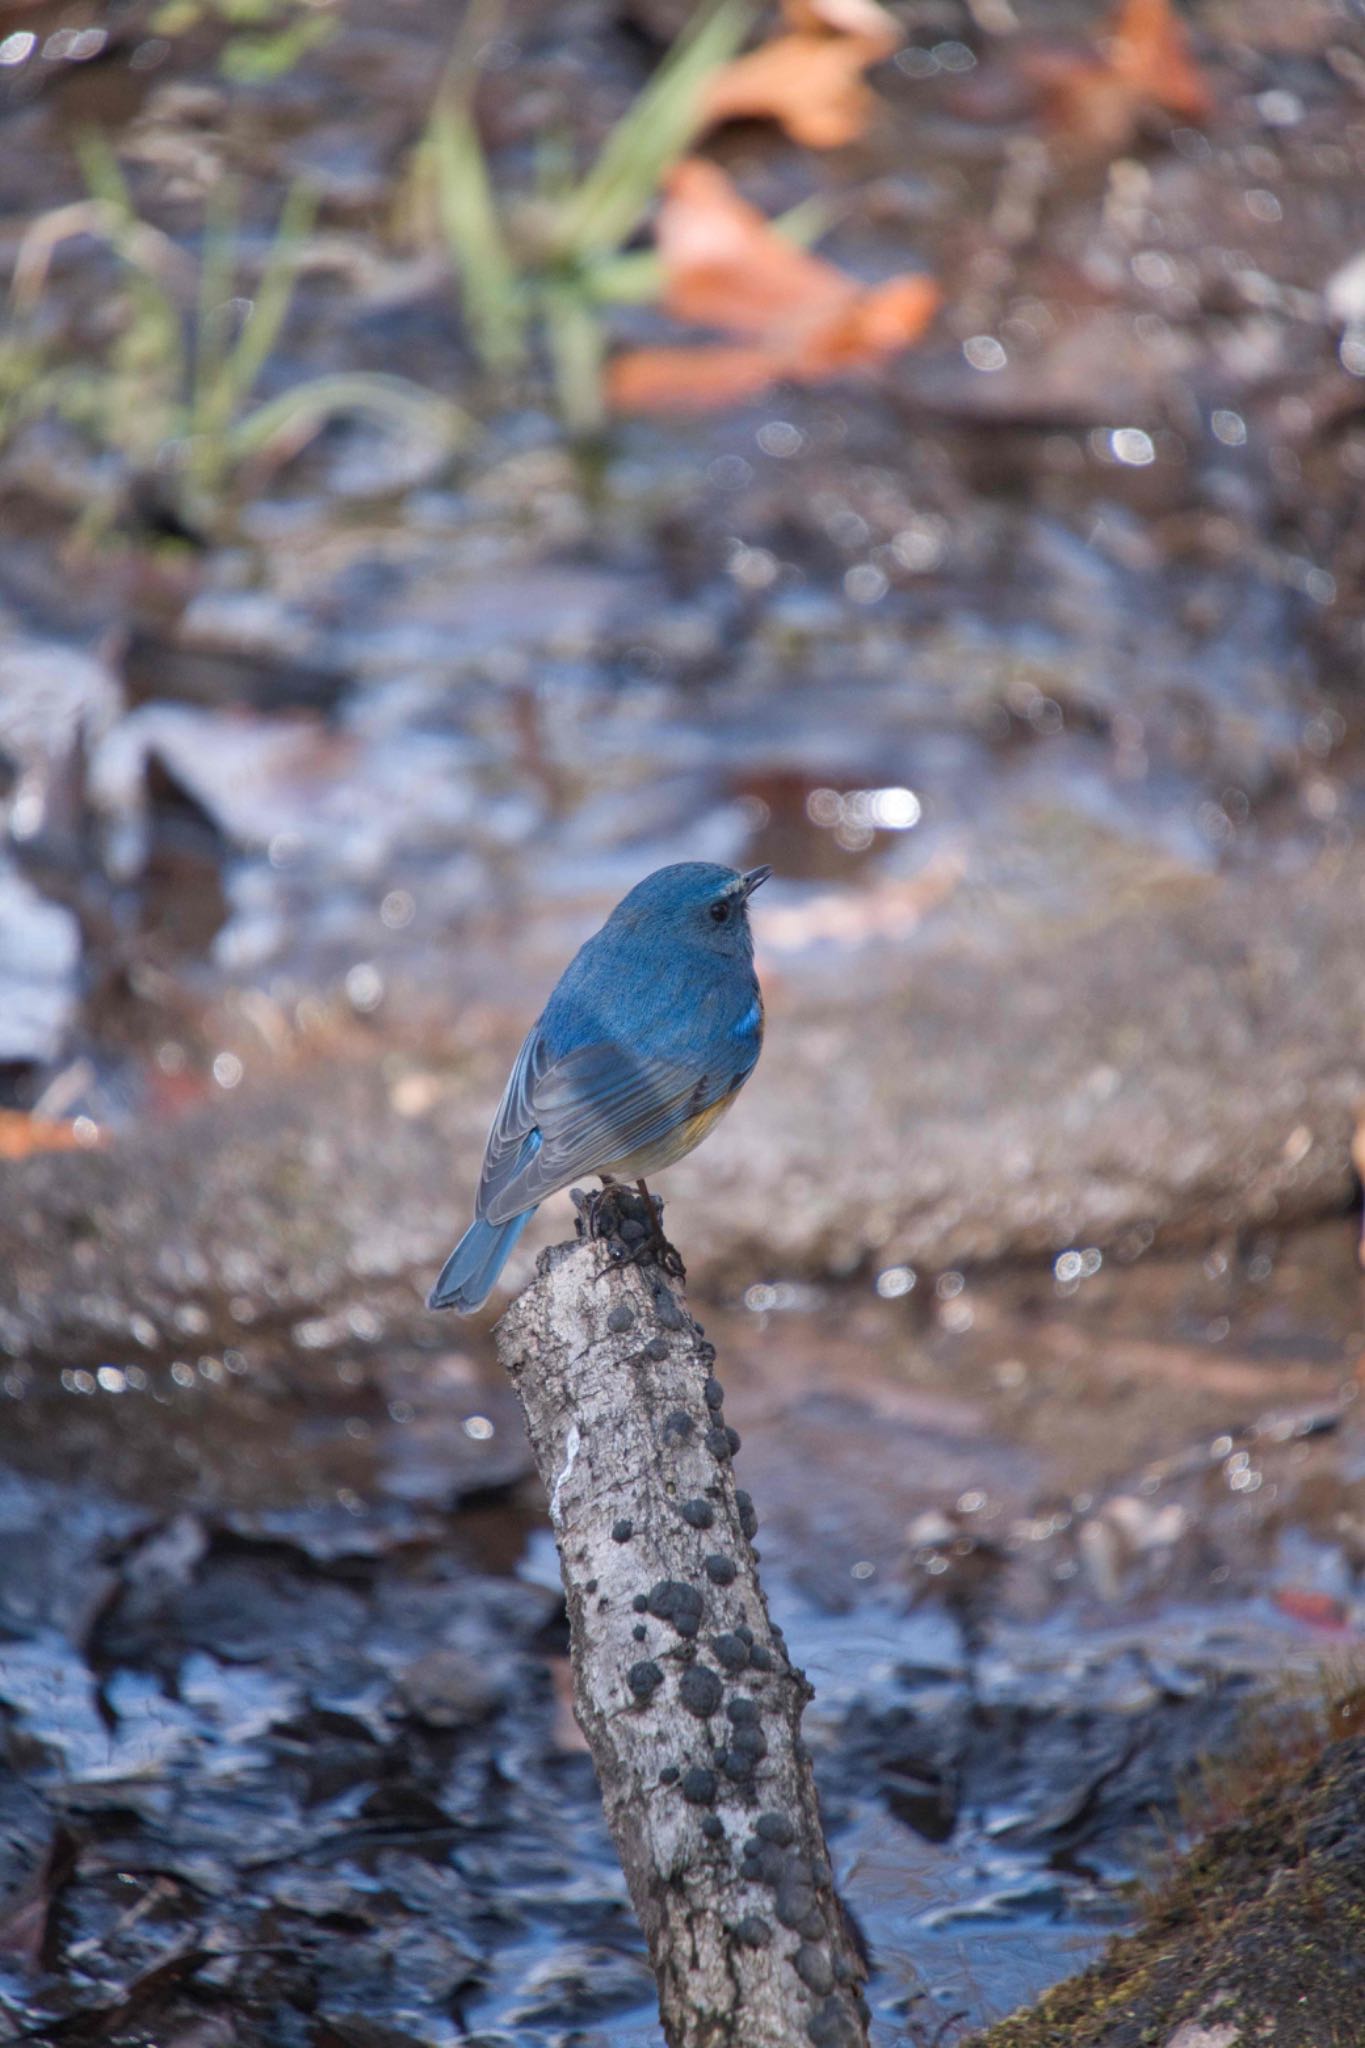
<point x="751" y="1023"/>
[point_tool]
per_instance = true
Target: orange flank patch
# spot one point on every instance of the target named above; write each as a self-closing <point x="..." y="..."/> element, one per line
<point x="1146" y="63"/>
<point x="799" y="317"/>
<point x="809" y="79"/>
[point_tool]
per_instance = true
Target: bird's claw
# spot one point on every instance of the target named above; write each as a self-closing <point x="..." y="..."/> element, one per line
<point x="629" y="1223"/>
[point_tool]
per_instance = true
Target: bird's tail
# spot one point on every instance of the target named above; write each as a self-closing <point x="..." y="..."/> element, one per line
<point x="471" y="1272"/>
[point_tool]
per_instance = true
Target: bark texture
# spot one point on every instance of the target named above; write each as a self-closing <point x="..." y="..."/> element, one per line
<point x="683" y="1686"/>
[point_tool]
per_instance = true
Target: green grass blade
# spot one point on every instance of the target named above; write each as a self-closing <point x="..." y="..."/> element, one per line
<point x="574" y="337"/>
<point x="489" y="285"/>
<point x="270" y="308"/>
<point x="100" y="169"/>
<point x="255" y="60"/>
<point x="155" y="341"/>
<point x="217" y="273"/>
<point x="808" y="220"/>
<point x="650" y="136"/>
<point x="635" y="279"/>
<point x="287" y="423"/>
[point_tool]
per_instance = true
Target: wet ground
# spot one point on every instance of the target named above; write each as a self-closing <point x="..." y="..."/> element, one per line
<point x="1033" y="668"/>
<point x="1035" y="681"/>
<point x="284" y="1685"/>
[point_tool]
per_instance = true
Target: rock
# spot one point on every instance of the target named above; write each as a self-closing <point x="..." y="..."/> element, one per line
<point x="40" y="951"/>
<point x="1225" y="2034"/>
<point x="1256" y="1935"/>
<point x="449" y="1689"/>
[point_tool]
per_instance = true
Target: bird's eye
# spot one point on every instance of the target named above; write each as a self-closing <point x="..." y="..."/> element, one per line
<point x="720" y="912"/>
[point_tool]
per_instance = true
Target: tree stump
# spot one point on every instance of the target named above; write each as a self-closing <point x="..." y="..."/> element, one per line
<point x="683" y="1686"/>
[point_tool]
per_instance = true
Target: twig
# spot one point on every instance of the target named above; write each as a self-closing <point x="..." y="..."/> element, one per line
<point x="682" y="1684"/>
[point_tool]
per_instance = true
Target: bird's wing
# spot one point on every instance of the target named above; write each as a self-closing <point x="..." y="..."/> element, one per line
<point x="514" y="1137"/>
<point x="595" y="1104"/>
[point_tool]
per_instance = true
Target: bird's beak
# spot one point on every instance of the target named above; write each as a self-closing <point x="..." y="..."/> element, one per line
<point x="755" y="879"/>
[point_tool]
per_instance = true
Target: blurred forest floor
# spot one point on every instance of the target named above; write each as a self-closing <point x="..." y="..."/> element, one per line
<point x="357" y="651"/>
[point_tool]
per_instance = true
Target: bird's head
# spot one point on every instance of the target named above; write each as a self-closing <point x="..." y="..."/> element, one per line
<point x="699" y="903"/>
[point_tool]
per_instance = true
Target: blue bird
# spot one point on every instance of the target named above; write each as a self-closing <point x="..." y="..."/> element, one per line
<point x="653" y="1029"/>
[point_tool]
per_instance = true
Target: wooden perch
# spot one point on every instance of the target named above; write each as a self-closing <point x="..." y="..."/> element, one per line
<point x="682" y="1685"/>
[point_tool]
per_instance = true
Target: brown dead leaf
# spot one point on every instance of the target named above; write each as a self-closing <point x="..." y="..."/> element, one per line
<point x="812" y="86"/>
<point x="810" y="79"/>
<point x="21" y="1135"/>
<point x="1100" y="100"/>
<point x="1358" y="1161"/>
<point x="802" y="318"/>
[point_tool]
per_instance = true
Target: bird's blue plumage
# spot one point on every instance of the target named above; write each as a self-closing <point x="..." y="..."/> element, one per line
<point x="654" y="1026"/>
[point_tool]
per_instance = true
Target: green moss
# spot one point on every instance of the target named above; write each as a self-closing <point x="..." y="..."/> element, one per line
<point x="1263" y="1922"/>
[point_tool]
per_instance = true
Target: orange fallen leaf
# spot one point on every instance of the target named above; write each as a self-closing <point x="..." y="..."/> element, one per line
<point x="21" y="1135"/>
<point x="1101" y="99"/>
<point x="1151" y="51"/>
<point x="812" y="86"/>
<point x="726" y="266"/>
<point x="809" y="80"/>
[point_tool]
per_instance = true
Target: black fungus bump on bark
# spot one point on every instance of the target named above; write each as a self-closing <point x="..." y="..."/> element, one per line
<point x="591" y="1586"/>
<point x="644" y="1678"/>
<point x="775" y="1827"/>
<point x="748" y="1520"/>
<point x="622" y="1529"/>
<point x="698" y="1514"/>
<point x="833" y="2027"/>
<point x="730" y="1653"/>
<point x="761" y="1658"/>
<point x="641" y="1603"/>
<point x="640" y="1632"/>
<point x="744" y="1632"/>
<point x="754" y="1931"/>
<point x="621" y="1318"/>
<point x="699" y="1786"/>
<point x="715" y="1395"/>
<point x="795" y="1894"/>
<point x="674" y="1601"/>
<point x="678" y="1426"/>
<point x="742" y="1710"/>
<point x="763" y="1862"/>
<point x="700" y="1691"/>
<point x="814" y="1968"/>
<point x="667" y="1310"/>
<point x="713" y="1827"/>
<point x="748" y="1747"/>
<point x="718" y="1443"/>
<point x="657" y="1349"/>
<point x="720" y="1570"/>
<point x="669" y="1775"/>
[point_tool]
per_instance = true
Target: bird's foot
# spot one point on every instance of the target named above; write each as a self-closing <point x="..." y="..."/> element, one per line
<point x="630" y="1222"/>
